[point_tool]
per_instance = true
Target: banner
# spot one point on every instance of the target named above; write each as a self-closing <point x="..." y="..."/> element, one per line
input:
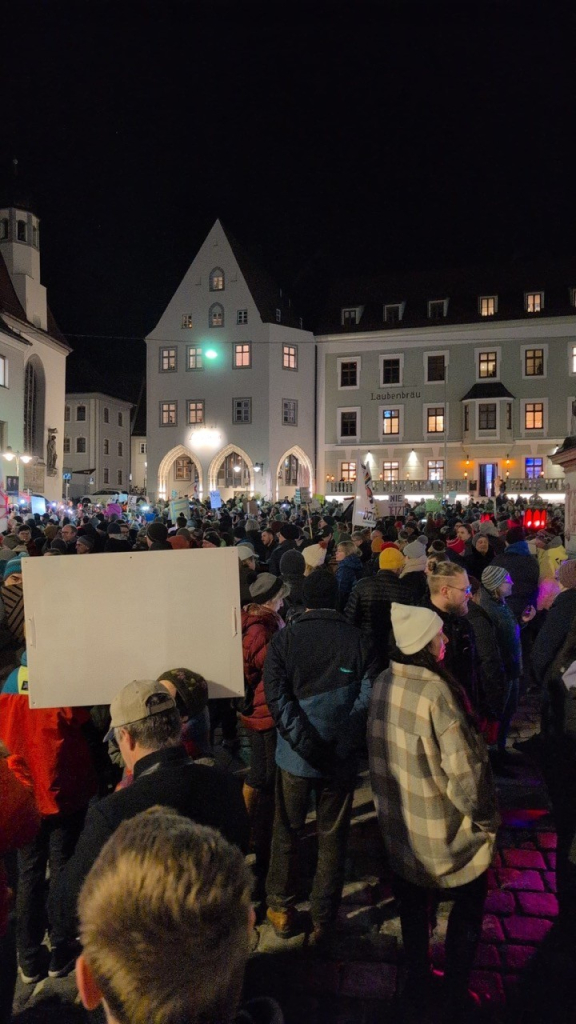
<point x="180" y="507"/>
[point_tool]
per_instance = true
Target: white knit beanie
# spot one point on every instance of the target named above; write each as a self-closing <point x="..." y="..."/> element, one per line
<point x="414" y="628"/>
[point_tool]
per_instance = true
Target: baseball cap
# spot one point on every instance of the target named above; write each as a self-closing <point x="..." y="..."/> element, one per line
<point x="137" y="701"/>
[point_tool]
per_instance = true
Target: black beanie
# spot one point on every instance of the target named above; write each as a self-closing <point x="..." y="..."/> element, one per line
<point x="289" y="531"/>
<point x="292" y="563"/>
<point x="320" y="589"/>
<point x="157" y="531"/>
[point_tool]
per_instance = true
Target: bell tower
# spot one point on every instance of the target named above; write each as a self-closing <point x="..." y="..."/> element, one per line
<point x="20" y="248"/>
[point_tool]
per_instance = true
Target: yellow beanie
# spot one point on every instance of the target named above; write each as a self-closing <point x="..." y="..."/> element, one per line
<point x="391" y="558"/>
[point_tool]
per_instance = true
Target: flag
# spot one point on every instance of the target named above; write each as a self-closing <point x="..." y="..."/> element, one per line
<point x="368" y="483"/>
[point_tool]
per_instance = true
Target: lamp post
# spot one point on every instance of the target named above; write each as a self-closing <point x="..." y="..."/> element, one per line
<point x="11" y="455"/>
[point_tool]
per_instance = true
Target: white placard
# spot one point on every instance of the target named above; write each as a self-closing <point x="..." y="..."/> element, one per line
<point x="215" y="499"/>
<point x="397" y="503"/>
<point x="366" y="513"/>
<point x="95" y="623"/>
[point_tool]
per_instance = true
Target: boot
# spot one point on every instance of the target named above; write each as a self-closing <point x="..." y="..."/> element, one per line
<point x="284" y="922"/>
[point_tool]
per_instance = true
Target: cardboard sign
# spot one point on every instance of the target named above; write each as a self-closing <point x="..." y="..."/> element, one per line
<point x="215" y="499"/>
<point x="366" y="513"/>
<point x="304" y="494"/>
<point x="181" y="507"/>
<point x="397" y="504"/>
<point x="433" y="505"/>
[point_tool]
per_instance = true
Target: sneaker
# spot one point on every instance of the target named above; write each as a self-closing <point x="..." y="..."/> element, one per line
<point x="62" y="960"/>
<point x="32" y="971"/>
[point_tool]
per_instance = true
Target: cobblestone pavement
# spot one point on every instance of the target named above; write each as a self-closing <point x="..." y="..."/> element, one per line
<point x="522" y="974"/>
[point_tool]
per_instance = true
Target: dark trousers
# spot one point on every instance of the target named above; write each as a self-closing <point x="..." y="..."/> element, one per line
<point x="510" y="706"/>
<point x="53" y="847"/>
<point x="333" y="811"/>
<point x="262" y="770"/>
<point x="7" y="972"/>
<point x="462" y="936"/>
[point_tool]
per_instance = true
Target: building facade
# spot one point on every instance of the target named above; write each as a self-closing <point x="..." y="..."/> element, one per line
<point x="32" y="361"/>
<point x="230" y="383"/>
<point x="448" y="385"/>
<point x="96" y="443"/>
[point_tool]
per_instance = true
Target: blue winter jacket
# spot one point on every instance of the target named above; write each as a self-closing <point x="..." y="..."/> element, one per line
<point x="348" y="572"/>
<point x="318" y="698"/>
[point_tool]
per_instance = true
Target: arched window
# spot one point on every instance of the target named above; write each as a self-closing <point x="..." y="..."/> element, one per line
<point x="217" y="280"/>
<point x="234" y="472"/>
<point x="34" y="398"/>
<point x="216" y="315"/>
<point x="4" y="227"/>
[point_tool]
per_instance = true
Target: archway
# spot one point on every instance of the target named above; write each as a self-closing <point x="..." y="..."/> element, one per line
<point x="245" y="474"/>
<point x="179" y="470"/>
<point x="294" y="470"/>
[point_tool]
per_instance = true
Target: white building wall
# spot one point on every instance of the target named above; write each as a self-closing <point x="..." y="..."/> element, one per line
<point x="138" y="462"/>
<point x="97" y="431"/>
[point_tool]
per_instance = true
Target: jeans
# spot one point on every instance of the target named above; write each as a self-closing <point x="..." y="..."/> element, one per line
<point x="53" y="846"/>
<point x="262" y="770"/>
<point x="510" y="706"/>
<point x="333" y="811"/>
<point x="462" y="936"/>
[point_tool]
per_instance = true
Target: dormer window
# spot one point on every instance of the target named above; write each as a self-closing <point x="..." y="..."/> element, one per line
<point x="534" y="302"/>
<point x="488" y="305"/>
<point x="394" y="312"/>
<point x="217" y="280"/>
<point x="351" y="316"/>
<point x="572" y="291"/>
<point x="437" y="309"/>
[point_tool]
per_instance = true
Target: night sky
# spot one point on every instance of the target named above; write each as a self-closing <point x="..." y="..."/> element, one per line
<point x="330" y="139"/>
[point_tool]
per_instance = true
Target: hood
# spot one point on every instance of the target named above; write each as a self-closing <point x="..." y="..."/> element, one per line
<point x="519" y="548"/>
<point x="415" y="565"/>
<point x="556" y="542"/>
<point x="265" y="616"/>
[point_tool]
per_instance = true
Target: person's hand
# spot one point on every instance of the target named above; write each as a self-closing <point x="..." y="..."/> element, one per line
<point x="528" y="613"/>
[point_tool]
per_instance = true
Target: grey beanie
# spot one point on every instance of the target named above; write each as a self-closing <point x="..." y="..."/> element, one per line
<point x="493" y="577"/>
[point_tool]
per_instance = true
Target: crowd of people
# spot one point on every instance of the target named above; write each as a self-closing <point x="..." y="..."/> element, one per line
<point x="411" y="640"/>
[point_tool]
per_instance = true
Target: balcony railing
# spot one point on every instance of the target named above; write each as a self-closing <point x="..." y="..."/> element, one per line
<point x="513" y="485"/>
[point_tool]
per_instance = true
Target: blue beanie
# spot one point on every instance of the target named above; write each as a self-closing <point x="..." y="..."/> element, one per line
<point x="14" y="565"/>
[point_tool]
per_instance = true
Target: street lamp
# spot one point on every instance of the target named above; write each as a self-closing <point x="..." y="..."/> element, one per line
<point x="19" y="457"/>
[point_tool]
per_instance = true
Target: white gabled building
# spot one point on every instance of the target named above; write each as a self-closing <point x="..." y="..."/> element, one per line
<point x="230" y="383"/>
<point x="32" y="359"/>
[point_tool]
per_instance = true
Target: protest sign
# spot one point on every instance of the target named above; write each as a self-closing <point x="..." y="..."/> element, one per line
<point x="215" y="499"/>
<point x="181" y="507"/>
<point x="397" y="503"/>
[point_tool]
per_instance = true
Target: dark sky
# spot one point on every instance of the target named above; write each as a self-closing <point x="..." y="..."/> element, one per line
<point x="328" y="138"/>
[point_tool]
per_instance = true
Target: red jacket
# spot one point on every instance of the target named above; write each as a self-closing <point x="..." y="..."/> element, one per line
<point x="258" y="628"/>
<point x="53" y="745"/>
<point x="19" y="820"/>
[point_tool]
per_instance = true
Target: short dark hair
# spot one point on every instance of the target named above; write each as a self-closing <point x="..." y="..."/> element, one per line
<point x="515" y="534"/>
<point x="161" y="730"/>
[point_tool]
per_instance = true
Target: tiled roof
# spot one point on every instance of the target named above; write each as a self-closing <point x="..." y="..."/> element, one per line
<point x="462" y="287"/>
<point x="492" y="389"/>
<point x="264" y="290"/>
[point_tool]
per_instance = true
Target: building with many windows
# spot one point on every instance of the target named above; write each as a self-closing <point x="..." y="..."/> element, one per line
<point x="448" y="382"/>
<point x="230" y="383"/>
<point x="96" y="443"/>
<point x="32" y="361"/>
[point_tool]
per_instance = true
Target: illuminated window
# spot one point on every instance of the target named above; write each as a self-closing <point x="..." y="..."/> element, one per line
<point x="217" y="280"/>
<point x="534" y="362"/>
<point x="534" y="416"/>
<point x="187" y="321"/>
<point x="183" y="469"/>
<point x="195" y="358"/>
<point x="487" y="364"/>
<point x="168" y="414"/>
<point x="534" y="468"/>
<point x="435" y="469"/>
<point x="390" y="421"/>
<point x="390" y="371"/>
<point x="241" y="316"/>
<point x="66" y="446"/>
<point x="390" y="472"/>
<point x="106" y="446"/>
<point x="243" y="355"/>
<point x="435" y="419"/>
<point x="534" y="302"/>
<point x="195" y="411"/>
<point x="289" y="412"/>
<point x="167" y="360"/>
<point x="487" y="416"/>
<point x="289" y="357"/>
<point x="242" y="410"/>
<point x="80" y="445"/>
<point x="488" y="305"/>
<point x="216" y="315"/>
<point x="348" y="472"/>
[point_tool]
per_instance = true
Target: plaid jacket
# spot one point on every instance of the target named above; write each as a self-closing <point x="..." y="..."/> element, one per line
<point x="431" y="779"/>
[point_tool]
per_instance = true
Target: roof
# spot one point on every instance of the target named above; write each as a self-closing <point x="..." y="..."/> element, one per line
<point x="492" y="389"/>
<point x="462" y="286"/>
<point x="104" y="395"/>
<point x="138" y="426"/>
<point x="267" y="295"/>
<point x="10" y="304"/>
<point x="85" y="376"/>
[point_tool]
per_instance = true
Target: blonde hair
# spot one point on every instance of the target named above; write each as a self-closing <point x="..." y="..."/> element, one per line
<point x="164" y="921"/>
<point x="348" y="547"/>
<point x="439" y="572"/>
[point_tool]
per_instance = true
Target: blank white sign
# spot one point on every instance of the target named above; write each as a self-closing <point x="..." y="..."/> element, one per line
<point x="95" y="622"/>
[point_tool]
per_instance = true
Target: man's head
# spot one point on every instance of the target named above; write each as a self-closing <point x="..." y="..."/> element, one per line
<point x="24" y="534"/>
<point x="69" y="533"/>
<point x="267" y="537"/>
<point x="497" y="581"/>
<point x="514" y="535"/>
<point x="156" y="533"/>
<point x="288" y="531"/>
<point x="144" y="718"/>
<point x="449" y="587"/>
<point x="165" y="923"/>
<point x="84" y="545"/>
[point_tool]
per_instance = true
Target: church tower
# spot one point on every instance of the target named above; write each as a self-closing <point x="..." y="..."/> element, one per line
<point x="20" y="248"/>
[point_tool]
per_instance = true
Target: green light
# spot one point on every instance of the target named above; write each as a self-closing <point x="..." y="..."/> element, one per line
<point x="211" y="353"/>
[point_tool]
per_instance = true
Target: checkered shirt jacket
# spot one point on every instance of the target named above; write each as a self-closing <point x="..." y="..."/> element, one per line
<point x="431" y="779"/>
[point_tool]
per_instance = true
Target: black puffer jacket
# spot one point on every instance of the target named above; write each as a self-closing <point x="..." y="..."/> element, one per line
<point x="523" y="568"/>
<point x="461" y="659"/>
<point x="491" y="676"/>
<point x="368" y="608"/>
<point x="553" y="633"/>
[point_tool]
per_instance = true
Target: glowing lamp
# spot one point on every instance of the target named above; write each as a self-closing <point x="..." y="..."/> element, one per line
<point x="211" y="353"/>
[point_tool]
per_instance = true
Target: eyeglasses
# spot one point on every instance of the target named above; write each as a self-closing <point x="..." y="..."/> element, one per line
<point x="463" y="590"/>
